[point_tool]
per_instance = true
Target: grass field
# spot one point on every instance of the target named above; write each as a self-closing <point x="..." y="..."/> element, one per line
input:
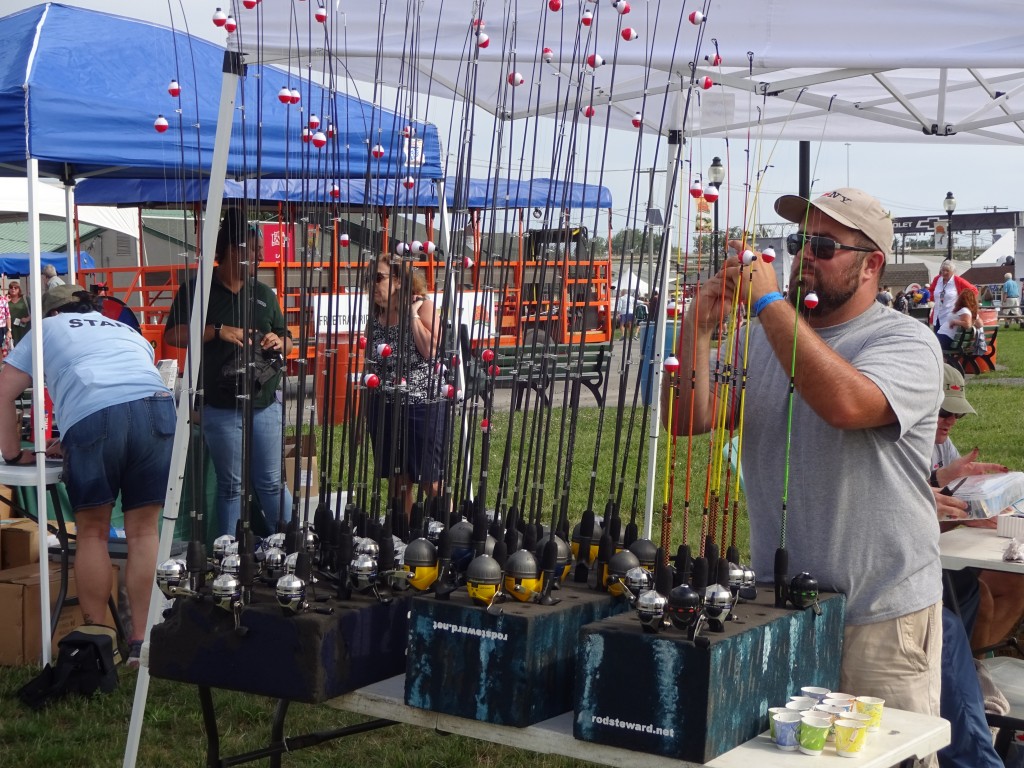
<point x="92" y="732"/>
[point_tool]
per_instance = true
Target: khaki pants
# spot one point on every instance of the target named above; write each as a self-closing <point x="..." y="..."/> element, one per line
<point x="899" y="660"/>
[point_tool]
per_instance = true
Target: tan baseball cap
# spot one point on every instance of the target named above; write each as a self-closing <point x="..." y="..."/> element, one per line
<point x="59" y="296"/>
<point x="851" y="207"/>
<point x="954" y="392"/>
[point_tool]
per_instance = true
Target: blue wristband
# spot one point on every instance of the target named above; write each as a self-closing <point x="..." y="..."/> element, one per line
<point x="764" y="301"/>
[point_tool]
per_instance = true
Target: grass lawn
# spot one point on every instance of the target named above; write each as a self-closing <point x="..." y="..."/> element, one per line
<point x="92" y="732"/>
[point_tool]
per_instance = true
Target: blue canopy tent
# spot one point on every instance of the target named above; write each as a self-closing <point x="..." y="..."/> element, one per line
<point x="480" y="193"/>
<point x="83" y="109"/>
<point x="17" y="264"/>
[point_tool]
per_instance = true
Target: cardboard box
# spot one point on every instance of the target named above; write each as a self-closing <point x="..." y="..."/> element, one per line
<point x="309" y="472"/>
<point x="21" y="637"/>
<point x="6" y="500"/>
<point x="19" y="542"/>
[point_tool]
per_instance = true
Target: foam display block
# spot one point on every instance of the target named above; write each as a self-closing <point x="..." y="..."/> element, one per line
<point x="309" y="657"/>
<point x="511" y="669"/>
<point x="661" y="694"/>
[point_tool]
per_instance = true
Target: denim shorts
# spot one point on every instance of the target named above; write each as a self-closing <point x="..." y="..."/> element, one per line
<point x="122" y="449"/>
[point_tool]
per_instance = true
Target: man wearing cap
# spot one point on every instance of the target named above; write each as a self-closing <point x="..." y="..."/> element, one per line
<point x="1009" y="305"/>
<point x="859" y="515"/>
<point x="117" y="428"/>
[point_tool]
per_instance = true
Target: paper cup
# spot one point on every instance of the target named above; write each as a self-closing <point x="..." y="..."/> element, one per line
<point x="787" y="725"/>
<point x="850" y="737"/>
<point x="845" y="704"/>
<point x="818" y="694"/>
<point x="800" y="704"/>
<point x="844" y="696"/>
<point x="813" y="734"/>
<point x="870" y="705"/>
<point x="834" y="713"/>
<point x="772" y="712"/>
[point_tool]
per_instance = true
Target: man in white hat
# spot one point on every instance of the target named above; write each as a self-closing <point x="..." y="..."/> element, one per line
<point x="859" y="514"/>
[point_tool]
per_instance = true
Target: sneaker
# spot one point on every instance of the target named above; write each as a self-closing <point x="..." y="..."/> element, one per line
<point x="134" y="654"/>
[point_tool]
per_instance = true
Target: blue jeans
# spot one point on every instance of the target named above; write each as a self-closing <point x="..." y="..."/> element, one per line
<point x="961" y="702"/>
<point x="222" y="429"/>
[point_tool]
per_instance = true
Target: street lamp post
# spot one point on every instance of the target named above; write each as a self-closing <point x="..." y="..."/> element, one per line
<point x="950" y="205"/>
<point x="716" y="175"/>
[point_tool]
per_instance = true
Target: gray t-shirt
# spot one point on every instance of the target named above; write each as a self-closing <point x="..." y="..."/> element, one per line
<point x="943" y="454"/>
<point x="861" y="517"/>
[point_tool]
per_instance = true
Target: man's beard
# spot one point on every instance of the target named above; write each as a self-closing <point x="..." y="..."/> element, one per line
<point x="833" y="292"/>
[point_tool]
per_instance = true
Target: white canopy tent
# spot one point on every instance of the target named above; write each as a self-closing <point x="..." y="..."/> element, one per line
<point x="51" y="205"/>
<point x="628" y="281"/>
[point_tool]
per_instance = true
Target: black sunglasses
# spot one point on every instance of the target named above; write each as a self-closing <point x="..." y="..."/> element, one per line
<point x="943" y="414"/>
<point x="822" y="247"/>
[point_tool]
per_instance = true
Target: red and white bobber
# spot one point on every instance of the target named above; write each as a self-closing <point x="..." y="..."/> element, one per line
<point x="407" y="131"/>
<point x="383" y="350"/>
<point x="320" y="14"/>
<point x="671" y="364"/>
<point x="371" y="380"/>
<point x="330" y="130"/>
<point x="629" y="34"/>
<point x="695" y="17"/>
<point x="284" y="95"/>
<point x="716" y="60"/>
<point x="548" y="55"/>
<point x="416" y="246"/>
<point x="705" y="82"/>
<point x="344" y="240"/>
<point x="485" y="425"/>
<point x="219" y="18"/>
<point x="637" y="120"/>
<point x="174" y="88"/>
<point x="428" y="247"/>
<point x="160" y="124"/>
<point x="230" y="25"/>
<point x="467" y="262"/>
<point x="479" y="25"/>
<point x="493" y="370"/>
<point x="595" y="60"/>
<point x="319" y="139"/>
<point x="710" y="193"/>
<point x="455" y="361"/>
<point x="768" y="255"/>
<point x="588" y="111"/>
<point x="587" y="18"/>
<point x="377" y="151"/>
<point x="555" y="5"/>
<point x="696" y="190"/>
<point x="401" y="247"/>
<point x="362" y="342"/>
<point x="449" y="391"/>
<point x="515" y="79"/>
<point x="811" y="300"/>
<point x="748" y="258"/>
<point x="621" y="6"/>
<point x="483" y="40"/>
<point x="295" y="96"/>
<point x="335" y="191"/>
<point x="250" y="4"/>
<point x="408" y="182"/>
<point x="307" y="135"/>
<point x="314" y="122"/>
<point x="487" y="355"/>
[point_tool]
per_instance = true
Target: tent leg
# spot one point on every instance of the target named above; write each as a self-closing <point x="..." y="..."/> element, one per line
<point x="233" y="69"/>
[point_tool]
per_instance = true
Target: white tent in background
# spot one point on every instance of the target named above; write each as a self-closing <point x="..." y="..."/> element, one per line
<point x="51" y="205"/>
<point x="996" y="254"/>
<point x="628" y="281"/>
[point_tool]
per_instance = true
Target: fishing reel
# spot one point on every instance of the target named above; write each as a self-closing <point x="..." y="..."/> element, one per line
<point x="646" y="552"/>
<point x="290" y="591"/>
<point x="222" y="546"/>
<point x="650" y="609"/>
<point x="803" y="592"/>
<point x="419" y="561"/>
<point x="685" y="609"/>
<point x="483" y="580"/>
<point x="172" y="578"/>
<point x="718" y="602"/>
<point x="522" y="578"/>
<point x="742" y="583"/>
<point x="619" y="566"/>
<point x="274" y="564"/>
<point x="227" y="595"/>
<point x="563" y="561"/>
<point x="635" y="582"/>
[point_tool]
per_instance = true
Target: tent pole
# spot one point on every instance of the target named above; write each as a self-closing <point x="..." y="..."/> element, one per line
<point x="69" y="221"/>
<point x="38" y="403"/>
<point x="233" y="69"/>
<point x="675" y="138"/>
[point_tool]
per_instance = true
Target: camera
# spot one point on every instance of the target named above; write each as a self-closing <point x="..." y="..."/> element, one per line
<point x="266" y="364"/>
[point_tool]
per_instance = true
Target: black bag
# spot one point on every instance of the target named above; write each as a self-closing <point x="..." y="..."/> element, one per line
<point x="86" y="662"/>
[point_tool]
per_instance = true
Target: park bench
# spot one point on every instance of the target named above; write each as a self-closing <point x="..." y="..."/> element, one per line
<point x="537" y="369"/>
<point x="961" y="355"/>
